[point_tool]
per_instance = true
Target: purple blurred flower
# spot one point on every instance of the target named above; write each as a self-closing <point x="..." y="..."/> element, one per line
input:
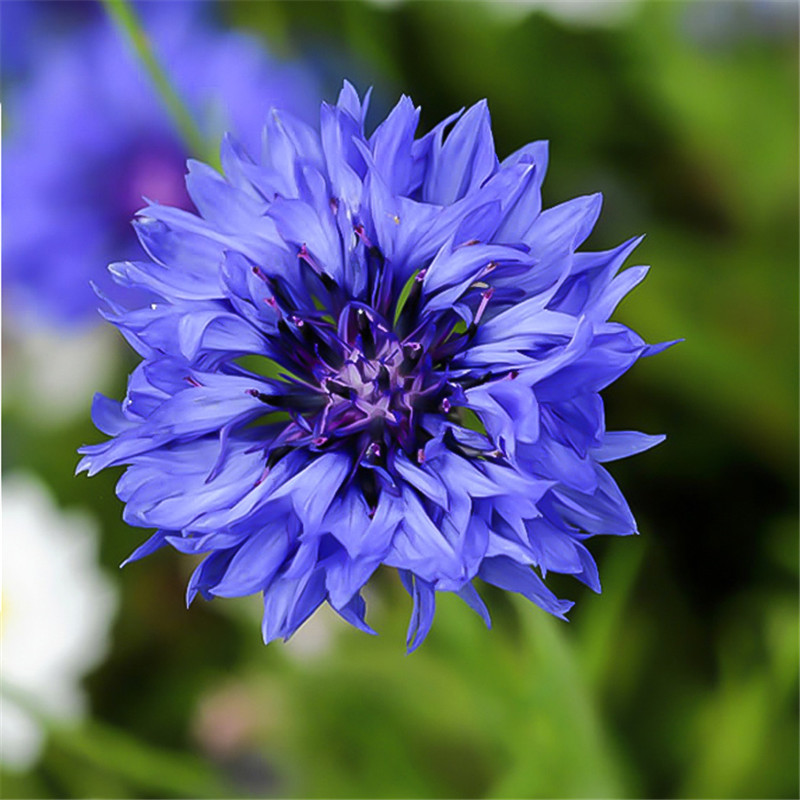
<point x="86" y="136"/>
<point x="372" y="350"/>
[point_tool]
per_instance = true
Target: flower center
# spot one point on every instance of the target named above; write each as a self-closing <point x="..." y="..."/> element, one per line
<point x="373" y="384"/>
<point x="355" y="380"/>
<point x="355" y="383"/>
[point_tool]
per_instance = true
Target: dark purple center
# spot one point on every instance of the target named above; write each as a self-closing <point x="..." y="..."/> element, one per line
<point x="355" y="380"/>
<point x="361" y="382"/>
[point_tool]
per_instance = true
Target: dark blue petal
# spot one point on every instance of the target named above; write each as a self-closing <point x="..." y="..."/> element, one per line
<point x="424" y="598"/>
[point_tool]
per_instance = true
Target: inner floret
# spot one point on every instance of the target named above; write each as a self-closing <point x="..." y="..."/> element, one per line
<point x="367" y="359"/>
<point x="359" y="384"/>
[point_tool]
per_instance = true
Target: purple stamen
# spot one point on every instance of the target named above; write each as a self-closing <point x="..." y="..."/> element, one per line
<point x="273" y="304"/>
<point x="361" y="233"/>
<point x="304" y="255"/>
<point x="485" y="298"/>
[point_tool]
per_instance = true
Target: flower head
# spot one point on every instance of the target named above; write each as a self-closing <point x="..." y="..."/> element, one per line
<point x="372" y="350"/>
<point x="88" y="136"/>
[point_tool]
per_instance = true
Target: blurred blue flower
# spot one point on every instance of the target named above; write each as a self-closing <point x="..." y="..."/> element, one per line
<point x="86" y="136"/>
<point x="372" y="350"/>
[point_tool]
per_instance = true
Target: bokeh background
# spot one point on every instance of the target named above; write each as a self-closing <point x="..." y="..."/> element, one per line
<point x="681" y="679"/>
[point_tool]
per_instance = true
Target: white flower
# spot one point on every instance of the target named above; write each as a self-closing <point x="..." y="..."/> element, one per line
<point x="56" y="612"/>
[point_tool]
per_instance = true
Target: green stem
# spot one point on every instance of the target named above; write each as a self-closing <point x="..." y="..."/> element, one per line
<point x="131" y="29"/>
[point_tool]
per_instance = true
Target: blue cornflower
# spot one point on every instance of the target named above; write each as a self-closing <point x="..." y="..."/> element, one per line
<point x="372" y="350"/>
<point x="86" y="136"/>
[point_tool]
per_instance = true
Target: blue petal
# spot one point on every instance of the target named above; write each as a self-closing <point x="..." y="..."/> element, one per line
<point x="513" y="577"/>
<point x="207" y="574"/>
<point x="397" y="222"/>
<point x="288" y="142"/>
<point x="107" y="415"/>
<point x="312" y="489"/>
<point x="155" y="542"/>
<point x="419" y="545"/>
<point x="348" y="520"/>
<point x="555" y="550"/>
<point x="185" y="471"/>
<point x="465" y="161"/>
<point x="292" y="597"/>
<point x="564" y="227"/>
<point x="604" y="512"/>
<point x="422" y="614"/>
<point x="621" y="444"/>
<point x="616" y="290"/>
<point x="589" y="574"/>
<point x="350" y="102"/>
<point x="345" y="576"/>
<point x="256" y="561"/>
<point x="423" y="479"/>
<point x="466" y="263"/>
<point x="470" y="596"/>
<point x="612" y="352"/>
<point x="391" y="145"/>
<point x="509" y="412"/>
<point x="353" y="612"/>
<point x="345" y="164"/>
<point x="189" y="542"/>
<point x="300" y="225"/>
<point x="590" y="275"/>
<point x="228" y="208"/>
<point x="527" y="205"/>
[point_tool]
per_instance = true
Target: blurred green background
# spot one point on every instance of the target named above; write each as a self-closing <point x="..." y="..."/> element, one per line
<point x="681" y="679"/>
